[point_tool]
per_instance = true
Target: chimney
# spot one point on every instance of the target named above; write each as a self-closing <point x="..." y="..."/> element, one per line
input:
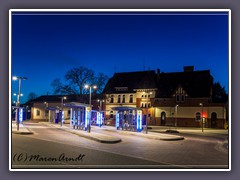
<point x="188" y="68"/>
<point x="158" y="74"/>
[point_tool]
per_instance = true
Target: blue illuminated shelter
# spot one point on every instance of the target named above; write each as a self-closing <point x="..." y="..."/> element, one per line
<point x="128" y="118"/>
<point x="18" y="114"/>
<point x="80" y="115"/>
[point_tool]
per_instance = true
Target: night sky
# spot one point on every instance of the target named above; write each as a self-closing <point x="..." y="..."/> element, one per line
<point x="46" y="45"/>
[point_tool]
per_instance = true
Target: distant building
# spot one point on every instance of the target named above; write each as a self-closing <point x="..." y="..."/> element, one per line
<point x="46" y="107"/>
<point x="167" y="99"/>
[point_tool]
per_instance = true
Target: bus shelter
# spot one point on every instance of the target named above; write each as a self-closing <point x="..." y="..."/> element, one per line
<point x="97" y="118"/>
<point x="55" y="115"/>
<point x="18" y="114"/>
<point x="80" y="115"/>
<point x="128" y="118"/>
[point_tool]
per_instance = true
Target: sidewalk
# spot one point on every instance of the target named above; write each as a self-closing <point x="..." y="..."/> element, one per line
<point x="98" y="134"/>
<point x="191" y="130"/>
<point x="93" y="135"/>
<point x="22" y="129"/>
<point x="149" y="135"/>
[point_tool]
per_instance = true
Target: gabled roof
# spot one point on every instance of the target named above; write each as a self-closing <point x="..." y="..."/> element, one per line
<point x="83" y="98"/>
<point x="129" y="81"/>
<point x="195" y="83"/>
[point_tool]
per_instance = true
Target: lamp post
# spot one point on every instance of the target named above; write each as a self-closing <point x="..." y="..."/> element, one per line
<point x="46" y="110"/>
<point x="176" y="109"/>
<point x="62" y="114"/>
<point x="100" y="104"/>
<point x="18" y="96"/>
<point x="90" y="91"/>
<point x="201" y="104"/>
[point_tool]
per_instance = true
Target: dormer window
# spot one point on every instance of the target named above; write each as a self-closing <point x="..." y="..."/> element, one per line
<point x="180" y="94"/>
<point x="121" y="88"/>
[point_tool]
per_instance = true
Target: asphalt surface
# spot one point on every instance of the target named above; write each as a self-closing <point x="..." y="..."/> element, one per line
<point x="134" y="150"/>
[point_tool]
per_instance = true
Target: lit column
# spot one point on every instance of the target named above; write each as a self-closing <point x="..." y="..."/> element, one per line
<point x="201" y="104"/>
<point x="100" y="109"/>
<point x="176" y="109"/>
<point x="18" y="97"/>
<point x="148" y="98"/>
<point x="46" y="110"/>
<point x="62" y="114"/>
<point x="90" y="91"/>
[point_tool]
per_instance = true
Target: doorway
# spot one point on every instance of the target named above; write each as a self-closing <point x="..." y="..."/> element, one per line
<point x="213" y="120"/>
<point x="163" y="118"/>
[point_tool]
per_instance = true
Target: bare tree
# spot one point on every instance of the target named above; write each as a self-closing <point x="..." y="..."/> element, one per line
<point x="32" y="96"/>
<point x="76" y="79"/>
<point x="100" y="81"/>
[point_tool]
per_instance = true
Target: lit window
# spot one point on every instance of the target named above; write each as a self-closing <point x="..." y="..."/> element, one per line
<point x="119" y="99"/>
<point x="112" y="99"/>
<point x="123" y="99"/>
<point x="38" y="112"/>
<point x="131" y="99"/>
<point x="180" y="95"/>
<point x="198" y="116"/>
<point x="111" y="114"/>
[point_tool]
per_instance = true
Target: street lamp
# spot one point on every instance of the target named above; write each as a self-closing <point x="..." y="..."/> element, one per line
<point x="176" y="109"/>
<point x="19" y="94"/>
<point x="201" y="104"/>
<point x="90" y="91"/>
<point x="100" y="105"/>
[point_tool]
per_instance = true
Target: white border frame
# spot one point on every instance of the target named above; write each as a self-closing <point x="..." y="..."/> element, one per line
<point x="118" y="10"/>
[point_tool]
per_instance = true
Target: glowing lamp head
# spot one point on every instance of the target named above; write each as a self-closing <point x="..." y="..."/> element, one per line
<point x="94" y="87"/>
<point x="86" y="86"/>
<point x="14" y="78"/>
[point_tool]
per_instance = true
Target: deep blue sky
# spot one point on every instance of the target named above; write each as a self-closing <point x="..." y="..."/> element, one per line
<point x="45" y="46"/>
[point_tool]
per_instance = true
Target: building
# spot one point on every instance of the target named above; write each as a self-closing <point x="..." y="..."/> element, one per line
<point x="129" y="90"/>
<point x="167" y="99"/>
<point x="47" y="107"/>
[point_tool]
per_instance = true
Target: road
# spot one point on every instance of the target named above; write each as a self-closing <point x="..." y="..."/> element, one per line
<point x="54" y="148"/>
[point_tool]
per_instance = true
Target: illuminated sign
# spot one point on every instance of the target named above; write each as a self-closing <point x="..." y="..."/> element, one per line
<point x="87" y="117"/>
<point x="20" y="115"/>
<point x="99" y="118"/>
<point x="62" y="116"/>
<point x="117" y="120"/>
<point x="139" y="120"/>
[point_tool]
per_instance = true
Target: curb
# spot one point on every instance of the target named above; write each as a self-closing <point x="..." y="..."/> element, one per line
<point x="22" y="133"/>
<point x="175" y="138"/>
<point x="117" y="140"/>
<point x="95" y="139"/>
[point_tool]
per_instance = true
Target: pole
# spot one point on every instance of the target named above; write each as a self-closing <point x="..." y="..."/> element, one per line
<point x="18" y="101"/>
<point x="202" y="117"/>
<point x="147" y="116"/>
<point x="61" y="109"/>
<point x="176" y="115"/>
<point x="89" y="122"/>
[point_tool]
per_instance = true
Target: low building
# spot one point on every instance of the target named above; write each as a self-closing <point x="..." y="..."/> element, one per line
<point x="47" y="107"/>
